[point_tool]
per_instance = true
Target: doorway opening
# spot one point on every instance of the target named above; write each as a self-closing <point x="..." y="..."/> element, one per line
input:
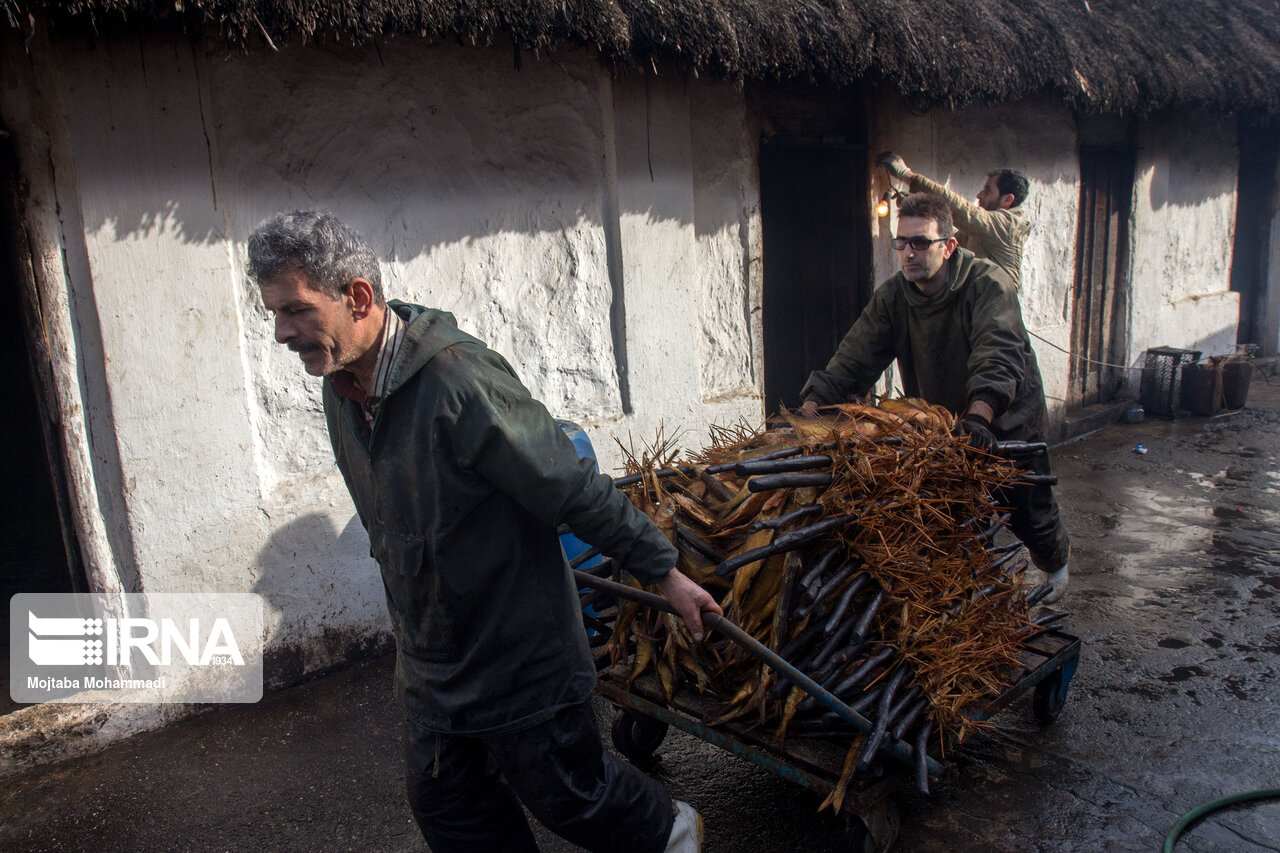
<point x="816" y="232"/>
<point x="33" y="551"/>
<point x="808" y="196"/>
<point x="1251" y="251"/>
<point x="1100" y="295"/>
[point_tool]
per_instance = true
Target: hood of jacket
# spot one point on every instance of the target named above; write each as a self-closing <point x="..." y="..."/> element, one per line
<point x="428" y="332"/>
<point x="959" y="265"/>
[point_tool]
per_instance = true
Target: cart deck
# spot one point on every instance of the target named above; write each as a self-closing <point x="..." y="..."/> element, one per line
<point x="811" y="760"/>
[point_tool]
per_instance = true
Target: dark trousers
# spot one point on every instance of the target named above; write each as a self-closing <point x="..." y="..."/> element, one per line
<point x="1035" y="519"/>
<point x="465" y="791"/>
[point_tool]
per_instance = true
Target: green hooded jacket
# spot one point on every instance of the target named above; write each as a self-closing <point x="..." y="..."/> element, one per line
<point x="461" y="482"/>
<point x="965" y="342"/>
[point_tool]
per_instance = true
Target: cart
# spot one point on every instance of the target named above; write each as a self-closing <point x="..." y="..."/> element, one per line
<point x="1049" y="661"/>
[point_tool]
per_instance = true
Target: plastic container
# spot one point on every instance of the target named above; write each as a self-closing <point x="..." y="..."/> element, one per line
<point x="1202" y="389"/>
<point x="1235" y="383"/>
<point x="572" y="545"/>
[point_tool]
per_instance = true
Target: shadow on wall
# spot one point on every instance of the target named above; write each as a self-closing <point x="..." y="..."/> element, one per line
<point x="1219" y="342"/>
<point x="324" y="597"/>
<point x="1194" y="160"/>
<point x="433" y="144"/>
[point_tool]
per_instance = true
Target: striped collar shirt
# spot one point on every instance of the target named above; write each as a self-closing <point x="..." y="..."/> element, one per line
<point x="392" y="335"/>
<point x="344" y="382"/>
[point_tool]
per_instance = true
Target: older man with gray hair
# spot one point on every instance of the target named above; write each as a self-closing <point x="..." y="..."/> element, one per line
<point x="461" y="478"/>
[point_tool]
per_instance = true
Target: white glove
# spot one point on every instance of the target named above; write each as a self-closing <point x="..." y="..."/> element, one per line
<point x="894" y="165"/>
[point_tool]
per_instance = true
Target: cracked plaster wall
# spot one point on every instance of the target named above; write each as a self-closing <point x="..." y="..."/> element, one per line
<point x="1184" y="226"/>
<point x="526" y="201"/>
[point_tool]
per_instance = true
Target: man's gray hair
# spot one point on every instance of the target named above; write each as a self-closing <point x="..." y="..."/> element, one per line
<point x="316" y="243"/>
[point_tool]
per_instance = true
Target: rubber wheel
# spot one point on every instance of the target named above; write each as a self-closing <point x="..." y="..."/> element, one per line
<point x="874" y="832"/>
<point x="857" y="838"/>
<point x="1049" y="699"/>
<point x="637" y="736"/>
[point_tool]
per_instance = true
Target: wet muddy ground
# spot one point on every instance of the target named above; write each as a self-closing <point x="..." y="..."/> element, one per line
<point x="1176" y="572"/>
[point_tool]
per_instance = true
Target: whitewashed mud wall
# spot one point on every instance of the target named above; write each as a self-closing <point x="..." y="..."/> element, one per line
<point x="534" y="205"/>
<point x="1183" y="228"/>
<point x="726" y="195"/>
<point x="959" y="150"/>
<point x="688" y="226"/>
<point x="554" y="210"/>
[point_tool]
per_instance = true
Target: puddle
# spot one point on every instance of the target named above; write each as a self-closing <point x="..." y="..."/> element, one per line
<point x="1182" y="673"/>
<point x="1237" y="688"/>
<point x="1164" y="537"/>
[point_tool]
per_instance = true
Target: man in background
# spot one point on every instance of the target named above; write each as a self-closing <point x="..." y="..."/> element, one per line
<point x="995" y="228"/>
<point x="954" y="324"/>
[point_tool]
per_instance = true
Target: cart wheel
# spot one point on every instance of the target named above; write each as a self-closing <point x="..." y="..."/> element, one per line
<point x="875" y="831"/>
<point x="857" y="838"/>
<point x="637" y="736"/>
<point x="1051" y="695"/>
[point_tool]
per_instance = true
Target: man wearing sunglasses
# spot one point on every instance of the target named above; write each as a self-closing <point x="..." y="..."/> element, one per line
<point x="995" y="228"/>
<point x="954" y="324"/>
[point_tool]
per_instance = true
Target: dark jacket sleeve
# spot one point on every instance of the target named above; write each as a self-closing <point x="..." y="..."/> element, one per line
<point x="866" y="350"/>
<point x="510" y="439"/>
<point x="997" y="363"/>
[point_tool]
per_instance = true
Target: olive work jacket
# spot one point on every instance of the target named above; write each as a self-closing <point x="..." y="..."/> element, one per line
<point x="997" y="235"/>
<point x="965" y="342"/>
<point x="461" y="482"/>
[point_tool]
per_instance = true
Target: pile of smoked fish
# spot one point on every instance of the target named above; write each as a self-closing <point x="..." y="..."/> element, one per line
<point x="861" y="547"/>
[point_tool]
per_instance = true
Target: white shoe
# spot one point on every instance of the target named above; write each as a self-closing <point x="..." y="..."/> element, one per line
<point x="686" y="831"/>
<point x="1058" y="580"/>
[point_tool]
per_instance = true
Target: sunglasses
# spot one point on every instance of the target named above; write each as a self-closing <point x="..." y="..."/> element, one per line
<point x="918" y="244"/>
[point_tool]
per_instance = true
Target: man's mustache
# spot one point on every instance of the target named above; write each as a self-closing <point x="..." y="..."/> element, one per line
<point x="302" y="346"/>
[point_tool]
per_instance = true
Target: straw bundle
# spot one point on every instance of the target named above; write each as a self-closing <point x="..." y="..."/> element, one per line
<point x="859" y="546"/>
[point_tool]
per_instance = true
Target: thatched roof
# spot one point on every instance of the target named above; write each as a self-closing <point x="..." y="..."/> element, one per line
<point x="1101" y="55"/>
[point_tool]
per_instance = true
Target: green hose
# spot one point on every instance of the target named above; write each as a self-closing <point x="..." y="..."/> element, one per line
<point x="1200" y="811"/>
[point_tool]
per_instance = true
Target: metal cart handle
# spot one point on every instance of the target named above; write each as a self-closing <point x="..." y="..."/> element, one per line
<point x="901" y="750"/>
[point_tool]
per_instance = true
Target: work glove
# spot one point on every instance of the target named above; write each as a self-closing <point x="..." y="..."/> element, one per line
<point x="893" y="164"/>
<point x="979" y="431"/>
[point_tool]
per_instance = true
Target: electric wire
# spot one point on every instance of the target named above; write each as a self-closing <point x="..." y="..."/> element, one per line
<point x="1085" y="359"/>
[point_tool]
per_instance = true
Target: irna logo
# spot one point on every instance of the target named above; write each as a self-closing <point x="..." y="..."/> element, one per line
<point x="61" y="641"/>
<point x="136" y="647"/>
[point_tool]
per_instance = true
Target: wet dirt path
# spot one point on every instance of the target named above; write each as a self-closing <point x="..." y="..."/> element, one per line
<point x="1176" y="568"/>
